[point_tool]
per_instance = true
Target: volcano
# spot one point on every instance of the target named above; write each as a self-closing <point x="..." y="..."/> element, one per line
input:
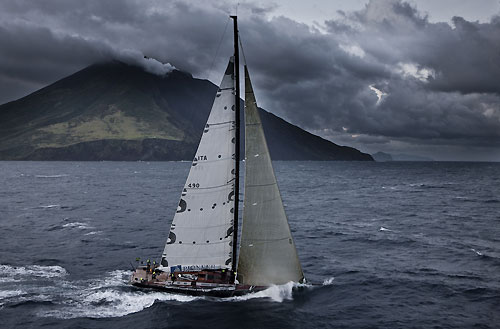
<point x="117" y="111"/>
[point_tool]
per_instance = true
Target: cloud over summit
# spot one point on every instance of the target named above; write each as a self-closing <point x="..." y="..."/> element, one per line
<point x="440" y="80"/>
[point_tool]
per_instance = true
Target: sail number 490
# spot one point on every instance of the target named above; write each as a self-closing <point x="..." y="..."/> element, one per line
<point x="194" y="185"/>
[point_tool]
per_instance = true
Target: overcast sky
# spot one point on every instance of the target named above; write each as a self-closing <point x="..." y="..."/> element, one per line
<point x="415" y="77"/>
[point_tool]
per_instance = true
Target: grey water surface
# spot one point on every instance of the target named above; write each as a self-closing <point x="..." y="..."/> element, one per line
<point x="387" y="245"/>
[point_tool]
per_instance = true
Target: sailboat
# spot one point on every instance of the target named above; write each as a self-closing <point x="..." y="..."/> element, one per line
<point x="204" y="254"/>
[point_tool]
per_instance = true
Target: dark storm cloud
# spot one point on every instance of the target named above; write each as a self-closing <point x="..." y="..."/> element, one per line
<point x="439" y="81"/>
<point x="37" y="55"/>
<point x="465" y="55"/>
<point x="44" y="41"/>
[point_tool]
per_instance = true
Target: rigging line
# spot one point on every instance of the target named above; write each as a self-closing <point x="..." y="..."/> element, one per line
<point x="218" y="47"/>
<point x="242" y="51"/>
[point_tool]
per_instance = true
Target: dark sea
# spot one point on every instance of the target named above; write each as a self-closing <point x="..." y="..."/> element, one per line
<point x="387" y="245"/>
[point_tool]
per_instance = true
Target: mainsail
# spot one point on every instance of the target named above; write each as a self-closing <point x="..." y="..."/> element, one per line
<point x="201" y="233"/>
<point x="267" y="250"/>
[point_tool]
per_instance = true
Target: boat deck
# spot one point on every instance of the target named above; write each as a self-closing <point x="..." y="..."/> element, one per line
<point x="208" y="283"/>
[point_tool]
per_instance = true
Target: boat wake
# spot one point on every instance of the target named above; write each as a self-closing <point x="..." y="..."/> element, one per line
<point x="58" y="297"/>
<point x="109" y="302"/>
<point x="4" y="294"/>
<point x="19" y="273"/>
<point x="107" y="296"/>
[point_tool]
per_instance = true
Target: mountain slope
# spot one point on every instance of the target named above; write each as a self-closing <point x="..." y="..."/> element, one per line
<point x="115" y="111"/>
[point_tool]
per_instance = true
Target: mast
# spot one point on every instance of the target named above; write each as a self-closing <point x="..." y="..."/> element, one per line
<point x="237" y="142"/>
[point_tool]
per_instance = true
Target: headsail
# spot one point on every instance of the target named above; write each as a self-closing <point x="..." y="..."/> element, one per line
<point x="201" y="233"/>
<point x="267" y="250"/>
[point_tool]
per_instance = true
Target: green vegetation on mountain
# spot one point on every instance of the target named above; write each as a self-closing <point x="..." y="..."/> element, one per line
<point x="115" y="111"/>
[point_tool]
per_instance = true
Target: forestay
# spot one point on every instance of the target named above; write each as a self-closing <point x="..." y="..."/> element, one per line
<point x="201" y="233"/>
<point x="267" y="250"/>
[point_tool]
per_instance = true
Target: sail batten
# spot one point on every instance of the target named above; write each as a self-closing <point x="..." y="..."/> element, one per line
<point x="267" y="251"/>
<point x="201" y="233"/>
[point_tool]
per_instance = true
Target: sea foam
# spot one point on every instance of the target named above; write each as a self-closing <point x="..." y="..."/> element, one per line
<point x="32" y="271"/>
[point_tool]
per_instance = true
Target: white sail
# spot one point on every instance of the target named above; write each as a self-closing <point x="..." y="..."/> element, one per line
<point x="201" y="233"/>
<point x="267" y="250"/>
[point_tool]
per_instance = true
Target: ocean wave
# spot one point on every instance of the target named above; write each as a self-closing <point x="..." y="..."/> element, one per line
<point x="477" y="252"/>
<point x="94" y="233"/>
<point x="328" y="281"/>
<point x="9" y="279"/>
<point x="464" y="199"/>
<point x="79" y="225"/>
<point x="487" y="255"/>
<point x="390" y="187"/>
<point x="50" y="206"/>
<point x="10" y="293"/>
<point x="5" y="295"/>
<point x="383" y="239"/>
<point x="51" y="176"/>
<point x="432" y="185"/>
<point x="31" y="271"/>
